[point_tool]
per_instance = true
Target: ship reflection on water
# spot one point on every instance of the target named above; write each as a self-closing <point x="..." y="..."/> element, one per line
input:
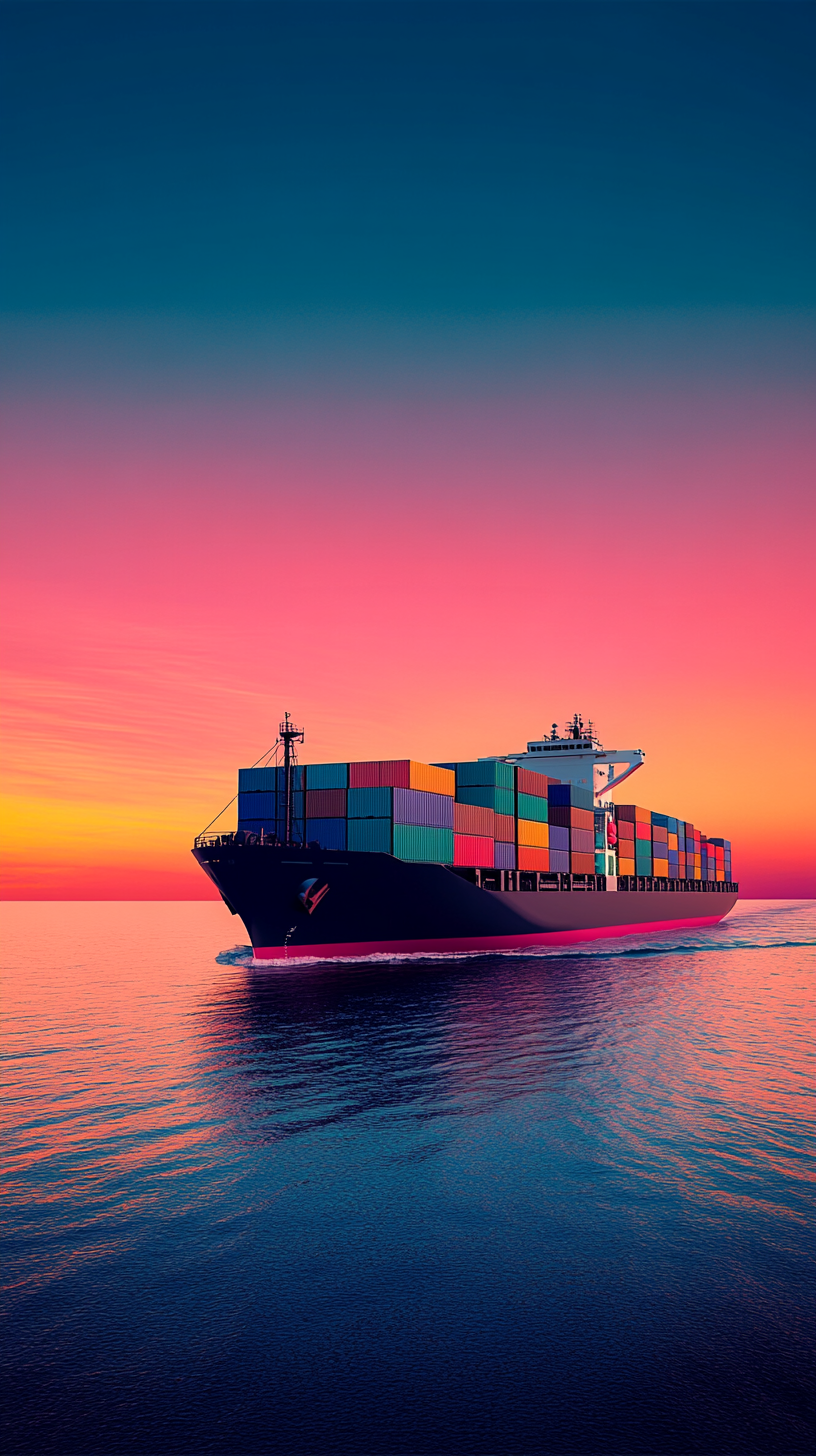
<point x="520" y="1202"/>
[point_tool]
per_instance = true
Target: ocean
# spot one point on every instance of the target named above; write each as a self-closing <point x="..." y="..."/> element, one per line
<point x="554" y="1202"/>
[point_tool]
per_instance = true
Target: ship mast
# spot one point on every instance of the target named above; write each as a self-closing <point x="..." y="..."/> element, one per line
<point x="288" y="735"/>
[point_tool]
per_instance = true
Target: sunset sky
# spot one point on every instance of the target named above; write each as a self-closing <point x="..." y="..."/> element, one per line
<point x="429" y="370"/>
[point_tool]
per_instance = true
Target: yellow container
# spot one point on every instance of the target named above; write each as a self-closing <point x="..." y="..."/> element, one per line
<point x="432" y="780"/>
<point x="533" y="834"/>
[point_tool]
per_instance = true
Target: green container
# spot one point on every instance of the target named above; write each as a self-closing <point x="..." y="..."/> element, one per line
<point x="600" y="864"/>
<point x="369" y="803"/>
<point x="531" y="807"/>
<point x="327" y="775"/>
<point x="485" y="772"/>
<point x="371" y="835"/>
<point x="500" y="800"/>
<point x="414" y="841"/>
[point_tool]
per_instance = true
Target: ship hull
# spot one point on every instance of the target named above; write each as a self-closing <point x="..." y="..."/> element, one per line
<point x="376" y="904"/>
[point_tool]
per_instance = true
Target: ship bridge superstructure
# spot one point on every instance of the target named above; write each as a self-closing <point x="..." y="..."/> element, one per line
<point x="578" y="757"/>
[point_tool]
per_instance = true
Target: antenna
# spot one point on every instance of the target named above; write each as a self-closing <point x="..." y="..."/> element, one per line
<point x="289" y="735"/>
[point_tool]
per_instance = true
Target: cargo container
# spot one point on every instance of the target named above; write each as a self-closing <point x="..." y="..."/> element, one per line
<point x="571" y="794"/>
<point x="372" y="803"/>
<point x="531" y="807"/>
<point x="504" y="855"/>
<point x="582" y="841"/>
<point x="531" y="858"/>
<point x="533" y="834"/>
<point x="530" y="782"/>
<point x="559" y="837"/>
<point x="415" y="806"/>
<point x="325" y="803"/>
<point x="501" y="801"/>
<point x="571" y="817"/>
<point x="485" y="773"/>
<point x="471" y="819"/>
<point x="420" y="842"/>
<point x="326" y="776"/>
<point x="370" y="835"/>
<point x="472" y="849"/>
<point x="582" y="864"/>
<point x="402" y="774"/>
<point x="559" y="861"/>
<point x="328" y="833"/>
<point x="504" y="828"/>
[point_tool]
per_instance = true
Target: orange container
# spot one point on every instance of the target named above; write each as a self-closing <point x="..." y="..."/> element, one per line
<point x="582" y="864"/>
<point x="533" y="859"/>
<point x="432" y="780"/>
<point x="673" y="841"/>
<point x="533" y="834"/>
<point x="626" y="866"/>
<point x="660" y="867"/>
<point x="643" y="816"/>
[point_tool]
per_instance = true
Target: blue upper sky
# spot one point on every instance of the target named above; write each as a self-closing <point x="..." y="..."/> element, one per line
<point x="445" y="157"/>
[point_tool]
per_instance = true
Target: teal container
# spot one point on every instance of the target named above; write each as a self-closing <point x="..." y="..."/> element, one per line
<point x="485" y="773"/>
<point x="256" y="780"/>
<point x="369" y="803"/>
<point x="600" y="864"/>
<point x="371" y="835"/>
<point x="414" y="841"/>
<point x="500" y="800"/>
<point x="531" y="807"/>
<point x="327" y="775"/>
<point x="600" y="838"/>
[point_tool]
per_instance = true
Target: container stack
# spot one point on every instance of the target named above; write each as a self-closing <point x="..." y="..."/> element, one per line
<point x="668" y="848"/>
<point x="486" y="786"/>
<point x="261" y="800"/>
<point x="401" y="807"/>
<point x="533" y="811"/>
<point x="572" y="810"/>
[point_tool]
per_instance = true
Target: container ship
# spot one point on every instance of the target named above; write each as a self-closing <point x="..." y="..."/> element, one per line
<point x="395" y="857"/>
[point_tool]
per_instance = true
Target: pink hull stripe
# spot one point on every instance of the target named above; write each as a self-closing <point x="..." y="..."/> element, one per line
<point x="475" y="942"/>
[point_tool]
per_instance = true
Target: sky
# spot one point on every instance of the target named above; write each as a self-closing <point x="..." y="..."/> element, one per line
<point x="432" y="371"/>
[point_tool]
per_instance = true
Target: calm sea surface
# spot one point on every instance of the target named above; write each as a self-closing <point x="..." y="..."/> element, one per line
<point x="514" y="1204"/>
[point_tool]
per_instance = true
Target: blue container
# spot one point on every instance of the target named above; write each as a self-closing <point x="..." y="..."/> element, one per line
<point x="485" y="773"/>
<point x="571" y="794"/>
<point x="504" y="856"/>
<point x="660" y="819"/>
<point x="530" y="806"/>
<point x="559" y="838"/>
<point x="419" y="842"/>
<point x="328" y="833"/>
<point x="254" y="780"/>
<point x="674" y="871"/>
<point x="257" y="806"/>
<point x="502" y="801"/>
<point x="369" y="803"/>
<point x="674" y="856"/>
<point x="327" y="775"/>
<point x="370" y="835"/>
<point x="559" y="861"/>
<point x="673" y="826"/>
<point x="415" y="806"/>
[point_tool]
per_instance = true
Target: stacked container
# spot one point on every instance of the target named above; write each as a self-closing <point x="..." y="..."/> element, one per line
<point x="489" y="785"/>
<point x="533" y="813"/>
<point x="401" y="807"/>
<point x="572" y="809"/>
<point x="261" y="800"/>
<point x="668" y="848"/>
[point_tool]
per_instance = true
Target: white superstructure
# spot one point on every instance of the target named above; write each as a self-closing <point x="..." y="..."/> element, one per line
<point x="579" y="758"/>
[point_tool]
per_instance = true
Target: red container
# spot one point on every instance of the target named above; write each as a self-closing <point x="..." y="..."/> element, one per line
<point x="387" y="773"/>
<point x="643" y="831"/>
<point x="582" y="864"/>
<point x="660" y="835"/>
<point x="473" y="849"/>
<point x="504" y="828"/>
<point x="582" y="841"/>
<point x="534" y="859"/>
<point x="471" y="819"/>
<point x="325" y="803"/>
<point x="529" y="782"/>
<point x="626" y="830"/>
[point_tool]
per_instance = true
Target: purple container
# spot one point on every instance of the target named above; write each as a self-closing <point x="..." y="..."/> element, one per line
<point x="560" y="839"/>
<point x="504" y="856"/>
<point x="582" y="841"/>
<point x="415" y="806"/>
<point x="559" y="861"/>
